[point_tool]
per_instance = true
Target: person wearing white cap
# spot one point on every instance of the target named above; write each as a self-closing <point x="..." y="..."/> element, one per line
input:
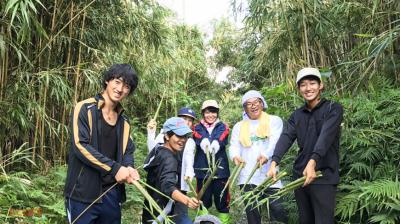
<point x="316" y="127"/>
<point x="211" y="137"/>
<point x="162" y="166"/>
<point x="253" y="142"/>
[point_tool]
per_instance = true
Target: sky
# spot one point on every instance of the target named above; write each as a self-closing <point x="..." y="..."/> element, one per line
<point x="200" y="12"/>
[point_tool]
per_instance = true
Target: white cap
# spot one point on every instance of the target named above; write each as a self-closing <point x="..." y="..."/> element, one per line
<point x="252" y="94"/>
<point x="209" y="103"/>
<point x="306" y="72"/>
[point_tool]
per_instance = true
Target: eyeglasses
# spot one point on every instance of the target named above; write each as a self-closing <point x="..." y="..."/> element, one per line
<point x="253" y="104"/>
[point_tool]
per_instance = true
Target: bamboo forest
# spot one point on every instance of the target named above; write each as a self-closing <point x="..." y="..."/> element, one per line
<point x="53" y="54"/>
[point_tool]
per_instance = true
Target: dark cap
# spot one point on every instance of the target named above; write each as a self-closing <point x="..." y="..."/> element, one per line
<point x="185" y="111"/>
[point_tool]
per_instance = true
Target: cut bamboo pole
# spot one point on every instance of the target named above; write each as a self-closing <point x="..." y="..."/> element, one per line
<point x="159" y="105"/>
<point x="232" y="179"/>
<point x="208" y="181"/>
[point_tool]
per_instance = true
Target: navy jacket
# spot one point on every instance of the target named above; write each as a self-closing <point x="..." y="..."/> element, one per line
<point x="220" y="133"/>
<point x="163" y="173"/>
<point x="317" y="133"/>
<point x="85" y="163"/>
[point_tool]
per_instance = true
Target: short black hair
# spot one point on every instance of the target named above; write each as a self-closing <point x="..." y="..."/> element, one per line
<point x="124" y="71"/>
<point x="169" y="134"/>
<point x="310" y="78"/>
<point x="211" y="109"/>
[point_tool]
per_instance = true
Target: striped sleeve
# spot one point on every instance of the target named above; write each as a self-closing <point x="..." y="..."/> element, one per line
<point x="81" y="128"/>
<point x="223" y="134"/>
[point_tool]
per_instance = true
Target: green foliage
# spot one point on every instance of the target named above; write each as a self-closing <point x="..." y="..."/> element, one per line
<point x="59" y="61"/>
<point x="24" y="190"/>
<point x="53" y="52"/>
<point x="369" y="158"/>
<point x="370" y="201"/>
<point x="224" y="42"/>
<point x="371" y="124"/>
<point x="356" y="40"/>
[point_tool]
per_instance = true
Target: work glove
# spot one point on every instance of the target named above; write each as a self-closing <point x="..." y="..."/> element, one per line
<point x="204" y="144"/>
<point x="215" y="147"/>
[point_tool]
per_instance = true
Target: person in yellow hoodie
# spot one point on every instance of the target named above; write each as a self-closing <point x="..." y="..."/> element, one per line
<point x="253" y="141"/>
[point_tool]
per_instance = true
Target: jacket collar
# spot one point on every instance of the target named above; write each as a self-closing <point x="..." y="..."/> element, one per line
<point x="322" y="101"/>
<point x="101" y="102"/>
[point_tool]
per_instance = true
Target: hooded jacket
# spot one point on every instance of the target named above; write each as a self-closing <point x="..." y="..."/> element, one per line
<point x="163" y="172"/>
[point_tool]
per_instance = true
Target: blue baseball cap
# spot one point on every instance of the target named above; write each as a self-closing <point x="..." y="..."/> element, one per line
<point x="176" y="125"/>
<point x="186" y="111"/>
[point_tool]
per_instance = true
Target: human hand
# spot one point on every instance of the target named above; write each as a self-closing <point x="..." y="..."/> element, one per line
<point x="152" y="125"/>
<point x="215" y="146"/>
<point x="192" y="203"/>
<point x="237" y="160"/>
<point x="309" y="172"/>
<point x="188" y="178"/>
<point x="133" y="174"/>
<point x="272" y="170"/>
<point x="205" y="144"/>
<point x="262" y="160"/>
<point x="122" y="175"/>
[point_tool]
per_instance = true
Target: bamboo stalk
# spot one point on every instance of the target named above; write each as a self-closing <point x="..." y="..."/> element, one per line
<point x="152" y="203"/>
<point x="42" y="129"/>
<point x="293" y="185"/>
<point x="154" y="189"/>
<point x="62" y="29"/>
<point x="91" y="204"/>
<point x="159" y="105"/>
<point x="67" y="63"/>
<point x="253" y="171"/>
<point x="78" y="63"/>
<point x="232" y="179"/>
<point x="306" y="50"/>
<point x="208" y="182"/>
<point x="191" y="187"/>
<point x="257" y="192"/>
<point x="208" y="158"/>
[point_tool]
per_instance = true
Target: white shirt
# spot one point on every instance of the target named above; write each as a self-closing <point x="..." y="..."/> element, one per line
<point x="187" y="158"/>
<point x="258" y="147"/>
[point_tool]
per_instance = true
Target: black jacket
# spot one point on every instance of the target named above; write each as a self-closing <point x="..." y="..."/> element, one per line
<point x="163" y="173"/>
<point x="317" y="133"/>
<point x="85" y="163"/>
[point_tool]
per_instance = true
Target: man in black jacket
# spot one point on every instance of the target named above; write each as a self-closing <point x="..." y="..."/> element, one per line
<point x="101" y="153"/>
<point x="316" y="127"/>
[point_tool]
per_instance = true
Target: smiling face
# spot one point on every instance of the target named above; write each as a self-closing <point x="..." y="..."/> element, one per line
<point x="116" y="90"/>
<point x="310" y="90"/>
<point x="174" y="142"/>
<point x="210" y="116"/>
<point x="253" y="108"/>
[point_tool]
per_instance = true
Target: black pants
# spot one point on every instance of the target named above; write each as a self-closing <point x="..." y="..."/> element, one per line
<point x="277" y="212"/>
<point x="316" y="203"/>
<point x="214" y="191"/>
